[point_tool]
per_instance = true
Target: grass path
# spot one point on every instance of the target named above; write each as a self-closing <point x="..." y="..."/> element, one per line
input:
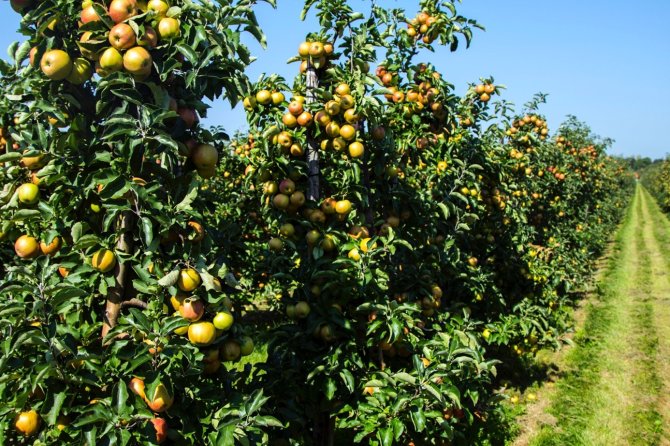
<point x="617" y="387"/>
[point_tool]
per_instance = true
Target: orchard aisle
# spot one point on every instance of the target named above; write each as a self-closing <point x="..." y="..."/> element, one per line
<point x="617" y="387"/>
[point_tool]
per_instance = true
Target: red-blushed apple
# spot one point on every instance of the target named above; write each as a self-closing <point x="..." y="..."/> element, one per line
<point x="161" y="428"/>
<point x="149" y="39"/>
<point x="122" y="36"/>
<point x="88" y="15"/>
<point x="120" y="10"/>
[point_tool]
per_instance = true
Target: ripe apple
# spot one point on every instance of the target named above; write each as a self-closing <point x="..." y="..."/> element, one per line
<point x="32" y="55"/>
<point x="223" y="320"/>
<point x="168" y="28"/>
<point x="149" y="39"/>
<point x="136" y="385"/>
<point x="297" y="198"/>
<point x="28" y="423"/>
<point x="205" y="156"/>
<point x="137" y="61"/>
<point x="192" y="309"/>
<point x="281" y="201"/>
<point x="111" y="60"/>
<point x="201" y="333"/>
<point x="122" y="36"/>
<point x="26" y="247"/>
<point x="52" y="248"/>
<point x="56" y="64"/>
<point x="120" y="10"/>
<point x="81" y="71"/>
<point x="158" y="7"/>
<point x="189" y="279"/>
<point x="287" y="186"/>
<point x="161" y="400"/>
<point x="104" y="260"/>
<point x="88" y="15"/>
<point x="161" y="428"/>
<point x="28" y="193"/>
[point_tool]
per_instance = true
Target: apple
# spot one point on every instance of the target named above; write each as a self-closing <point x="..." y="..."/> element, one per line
<point x="230" y="351"/>
<point x="158" y="7"/>
<point x="205" y="156"/>
<point x="32" y="56"/>
<point x="28" y="193"/>
<point x="246" y="345"/>
<point x="223" y="320"/>
<point x="188" y="115"/>
<point x="275" y="244"/>
<point x="137" y="387"/>
<point x="122" y="36"/>
<point x="27" y="247"/>
<point x="120" y="10"/>
<point x="202" y="333"/>
<point x="297" y="198"/>
<point x="287" y="186"/>
<point x="56" y="64"/>
<point x="281" y="201"/>
<point x="168" y="28"/>
<point x="88" y="14"/>
<point x="161" y="400"/>
<point x="137" y="60"/>
<point x="81" y="71"/>
<point x="149" y="39"/>
<point x="192" y="309"/>
<point x="302" y="309"/>
<point x="87" y="53"/>
<point x="20" y="5"/>
<point x="161" y="428"/>
<point x="111" y="60"/>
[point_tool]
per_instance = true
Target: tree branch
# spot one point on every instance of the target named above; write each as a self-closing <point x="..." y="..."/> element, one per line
<point x="135" y="303"/>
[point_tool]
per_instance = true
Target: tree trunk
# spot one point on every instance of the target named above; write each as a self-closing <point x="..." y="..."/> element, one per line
<point x="117" y="294"/>
<point x="312" y="145"/>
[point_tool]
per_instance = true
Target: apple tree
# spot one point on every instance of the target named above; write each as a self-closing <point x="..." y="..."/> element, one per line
<point x="116" y="307"/>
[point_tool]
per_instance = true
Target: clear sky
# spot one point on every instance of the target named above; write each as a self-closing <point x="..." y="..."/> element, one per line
<point x="605" y="61"/>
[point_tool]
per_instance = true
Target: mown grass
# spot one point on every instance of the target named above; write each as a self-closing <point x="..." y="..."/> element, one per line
<point x="608" y="397"/>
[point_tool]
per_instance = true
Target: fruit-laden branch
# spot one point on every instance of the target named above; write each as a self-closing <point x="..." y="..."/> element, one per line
<point x="116" y="294"/>
<point x="312" y="146"/>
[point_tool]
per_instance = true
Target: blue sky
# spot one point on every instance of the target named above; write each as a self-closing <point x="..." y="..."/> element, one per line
<point x="605" y="61"/>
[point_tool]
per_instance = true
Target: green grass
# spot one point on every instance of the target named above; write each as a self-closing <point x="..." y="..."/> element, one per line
<point x="611" y="391"/>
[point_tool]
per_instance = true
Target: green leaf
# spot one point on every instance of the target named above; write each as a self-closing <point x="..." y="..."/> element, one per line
<point x="418" y="418"/>
<point x="169" y="279"/>
<point x="56" y="406"/>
